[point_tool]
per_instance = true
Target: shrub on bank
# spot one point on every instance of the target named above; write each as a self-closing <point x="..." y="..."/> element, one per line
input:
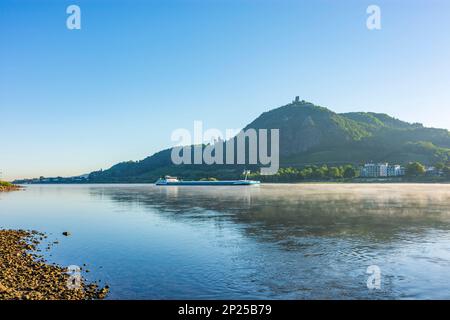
<point x="5" y="184"/>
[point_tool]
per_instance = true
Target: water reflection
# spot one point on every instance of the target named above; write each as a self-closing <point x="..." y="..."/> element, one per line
<point x="277" y="212"/>
<point x="274" y="241"/>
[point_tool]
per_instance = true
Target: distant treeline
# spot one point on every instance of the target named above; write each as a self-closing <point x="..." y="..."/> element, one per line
<point x="416" y="169"/>
<point x="413" y="171"/>
<point x="309" y="173"/>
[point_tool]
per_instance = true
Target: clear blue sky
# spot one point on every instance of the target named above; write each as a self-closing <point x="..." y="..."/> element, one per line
<point x="73" y="101"/>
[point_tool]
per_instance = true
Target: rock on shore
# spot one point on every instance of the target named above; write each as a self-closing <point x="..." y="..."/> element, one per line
<point x="24" y="275"/>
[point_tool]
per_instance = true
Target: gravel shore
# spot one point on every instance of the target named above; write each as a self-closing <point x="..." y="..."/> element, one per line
<point x="25" y="275"/>
<point x="5" y="188"/>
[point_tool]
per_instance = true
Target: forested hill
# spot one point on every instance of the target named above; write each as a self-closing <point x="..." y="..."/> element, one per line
<point x="309" y="134"/>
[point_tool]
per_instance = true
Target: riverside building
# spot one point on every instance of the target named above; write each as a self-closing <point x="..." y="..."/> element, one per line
<point x="376" y="170"/>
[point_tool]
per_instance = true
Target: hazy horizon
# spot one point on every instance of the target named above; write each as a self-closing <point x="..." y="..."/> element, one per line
<point x="75" y="101"/>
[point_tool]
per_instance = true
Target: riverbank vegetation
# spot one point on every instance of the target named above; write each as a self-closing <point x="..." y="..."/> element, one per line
<point x="309" y="173"/>
<point x="414" y="172"/>
<point x="7" y="186"/>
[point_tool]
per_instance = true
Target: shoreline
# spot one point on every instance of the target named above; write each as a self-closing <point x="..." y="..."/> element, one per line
<point x="380" y="181"/>
<point x="8" y="188"/>
<point x="25" y="275"/>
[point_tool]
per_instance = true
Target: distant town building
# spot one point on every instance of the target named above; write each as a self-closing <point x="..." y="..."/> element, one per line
<point x="395" y="171"/>
<point x="376" y="170"/>
<point x="433" y="171"/>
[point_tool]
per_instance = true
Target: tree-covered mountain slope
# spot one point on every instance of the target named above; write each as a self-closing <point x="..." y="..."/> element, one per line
<point x="309" y="134"/>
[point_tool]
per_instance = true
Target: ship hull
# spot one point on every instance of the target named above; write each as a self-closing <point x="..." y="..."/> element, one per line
<point x="209" y="183"/>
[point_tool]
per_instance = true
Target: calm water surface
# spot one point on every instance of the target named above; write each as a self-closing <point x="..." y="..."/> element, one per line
<point x="274" y="241"/>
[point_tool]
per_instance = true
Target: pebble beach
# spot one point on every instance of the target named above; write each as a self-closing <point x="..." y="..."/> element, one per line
<point x="25" y="275"/>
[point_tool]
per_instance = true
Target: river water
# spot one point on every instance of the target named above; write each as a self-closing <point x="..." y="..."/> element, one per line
<point x="290" y="241"/>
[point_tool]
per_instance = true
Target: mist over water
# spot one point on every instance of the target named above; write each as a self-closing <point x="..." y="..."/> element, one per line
<point x="304" y="241"/>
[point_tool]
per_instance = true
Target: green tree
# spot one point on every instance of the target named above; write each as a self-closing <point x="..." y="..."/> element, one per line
<point x="349" y="172"/>
<point x="334" y="173"/>
<point x="446" y="171"/>
<point x="439" y="166"/>
<point x="307" y="173"/>
<point x="319" y="173"/>
<point x="5" y="184"/>
<point x="415" y="169"/>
